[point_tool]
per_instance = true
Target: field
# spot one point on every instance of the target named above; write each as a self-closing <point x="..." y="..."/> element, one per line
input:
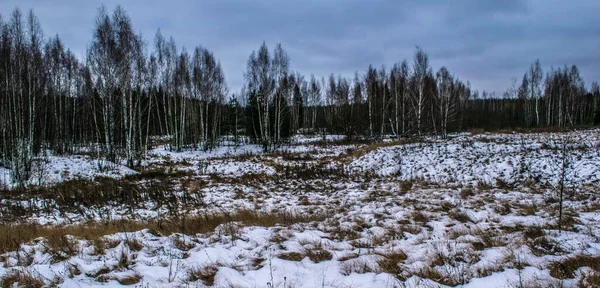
<point x="474" y="210"/>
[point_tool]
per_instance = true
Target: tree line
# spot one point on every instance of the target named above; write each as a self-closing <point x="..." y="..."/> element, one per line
<point x="128" y="90"/>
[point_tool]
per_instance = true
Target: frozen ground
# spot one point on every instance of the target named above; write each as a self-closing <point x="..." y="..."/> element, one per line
<point x="55" y="169"/>
<point x="472" y="211"/>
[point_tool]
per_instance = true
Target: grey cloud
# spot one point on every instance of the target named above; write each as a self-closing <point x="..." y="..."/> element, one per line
<point x="486" y="42"/>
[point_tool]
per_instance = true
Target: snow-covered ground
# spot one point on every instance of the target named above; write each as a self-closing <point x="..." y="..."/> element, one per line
<point x="471" y="211"/>
<point x="484" y="159"/>
<point x="55" y="169"/>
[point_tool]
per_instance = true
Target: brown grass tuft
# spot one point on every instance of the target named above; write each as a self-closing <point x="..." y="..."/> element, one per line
<point x="419" y="217"/>
<point x="134" y="244"/>
<point x="466" y="193"/>
<point x="357" y="265"/>
<point x="12" y="235"/>
<point x="591" y="279"/>
<point x="205" y="273"/>
<point x="527" y="209"/>
<point x="130" y="279"/>
<point x="390" y="263"/>
<point x="291" y="256"/>
<point x="459" y="215"/>
<point x="565" y="269"/>
<point x="62" y="247"/>
<point x="21" y="279"/>
<point x="182" y="244"/>
<point x="318" y="254"/>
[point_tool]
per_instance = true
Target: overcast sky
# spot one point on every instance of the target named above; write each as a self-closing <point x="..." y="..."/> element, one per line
<point x="486" y="42"/>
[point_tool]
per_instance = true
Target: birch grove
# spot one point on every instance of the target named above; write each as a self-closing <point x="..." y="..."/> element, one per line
<point x="128" y="95"/>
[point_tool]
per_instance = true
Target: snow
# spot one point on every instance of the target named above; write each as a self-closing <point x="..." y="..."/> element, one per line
<point x="468" y="160"/>
<point x="368" y="214"/>
<point x="56" y="169"/>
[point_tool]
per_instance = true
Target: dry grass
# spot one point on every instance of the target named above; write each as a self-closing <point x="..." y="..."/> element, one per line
<point x="591" y="279"/>
<point x="357" y="265"/>
<point x="348" y="257"/>
<point x="134" y="244"/>
<point x="466" y="193"/>
<point x="20" y="278"/>
<point x="99" y="246"/>
<point x="527" y="209"/>
<point x="565" y="269"/>
<point x="489" y="238"/>
<point x="343" y="234"/>
<point x="317" y="254"/>
<point x="11" y="236"/>
<point x="61" y="247"/>
<point x="539" y="243"/>
<point x="291" y="256"/>
<point x="390" y="263"/>
<point x="98" y="272"/>
<point x="206" y="274"/>
<point x="544" y="246"/>
<point x="405" y="186"/>
<point x="503" y="208"/>
<point x="419" y="217"/>
<point x="447" y="279"/>
<point x="126" y="260"/>
<point x="459" y="215"/>
<point x="130" y="279"/>
<point x="430" y="273"/>
<point x="412" y="229"/>
<point x="533" y="232"/>
<point x="182" y="244"/>
<point x="357" y="153"/>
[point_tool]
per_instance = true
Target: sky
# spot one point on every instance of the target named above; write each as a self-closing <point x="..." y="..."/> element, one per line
<point x="485" y="42"/>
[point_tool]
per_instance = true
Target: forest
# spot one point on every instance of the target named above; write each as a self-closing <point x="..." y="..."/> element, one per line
<point x="130" y="92"/>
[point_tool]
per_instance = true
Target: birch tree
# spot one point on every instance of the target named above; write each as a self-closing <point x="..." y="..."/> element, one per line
<point x="445" y="98"/>
<point x="420" y="93"/>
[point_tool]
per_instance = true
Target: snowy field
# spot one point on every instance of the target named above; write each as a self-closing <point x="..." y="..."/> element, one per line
<point x="469" y="211"/>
